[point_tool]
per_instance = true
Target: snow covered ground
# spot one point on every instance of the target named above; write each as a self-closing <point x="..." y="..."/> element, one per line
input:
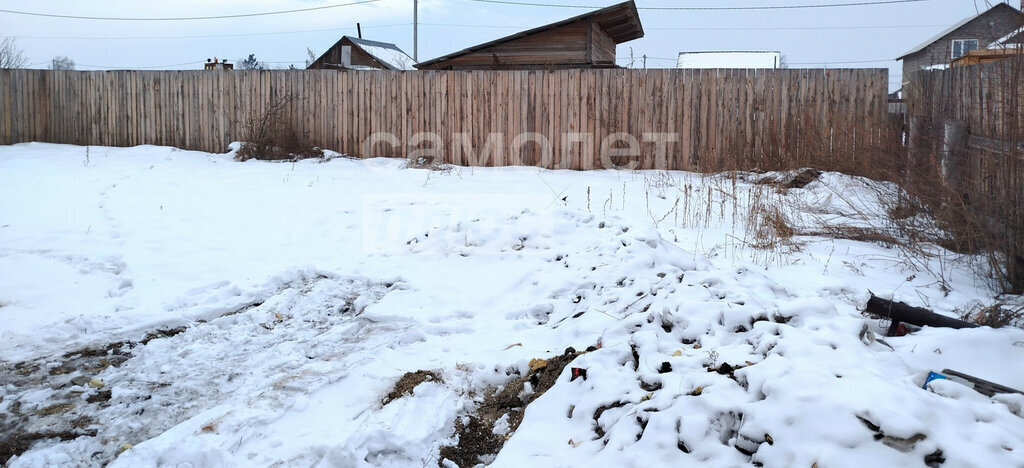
<point x="162" y="307"/>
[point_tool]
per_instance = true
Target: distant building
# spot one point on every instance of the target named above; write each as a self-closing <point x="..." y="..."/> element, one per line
<point x="730" y="59"/>
<point x="353" y="53"/>
<point x="973" y="33"/>
<point x="215" y="64"/>
<point x="584" y="41"/>
<point x="1010" y="45"/>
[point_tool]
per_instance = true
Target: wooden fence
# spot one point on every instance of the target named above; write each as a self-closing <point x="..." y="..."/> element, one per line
<point x="967" y="139"/>
<point x="972" y="120"/>
<point x="718" y="119"/>
<point x="987" y="98"/>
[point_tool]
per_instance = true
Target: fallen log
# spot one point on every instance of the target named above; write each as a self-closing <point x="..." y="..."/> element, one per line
<point x="899" y="312"/>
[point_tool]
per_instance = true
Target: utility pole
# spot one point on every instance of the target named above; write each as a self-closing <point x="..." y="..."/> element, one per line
<point x="645" y="61"/>
<point x="415" y="30"/>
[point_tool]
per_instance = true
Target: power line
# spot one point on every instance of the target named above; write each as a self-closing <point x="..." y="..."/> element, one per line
<point x="137" y="67"/>
<point x="188" y="18"/>
<point x="839" y="63"/>
<point x="791" y="63"/>
<point x="800" y="28"/>
<point x="762" y="7"/>
<point x="797" y="28"/>
<point x="491" y="26"/>
<point x="149" y="67"/>
<point x="213" y="35"/>
<point x="133" y="67"/>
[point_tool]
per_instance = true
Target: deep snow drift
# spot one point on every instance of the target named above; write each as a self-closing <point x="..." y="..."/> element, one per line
<point x="162" y="307"/>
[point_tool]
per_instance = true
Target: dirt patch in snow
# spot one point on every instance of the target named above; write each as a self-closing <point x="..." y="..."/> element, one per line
<point x="75" y="393"/>
<point x="63" y="415"/>
<point x="791" y="180"/>
<point x="476" y="435"/>
<point x="19" y="442"/>
<point x="161" y="333"/>
<point x="407" y="383"/>
<point x="476" y="439"/>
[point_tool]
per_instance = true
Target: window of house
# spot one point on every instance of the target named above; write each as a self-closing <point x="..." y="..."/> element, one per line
<point x="962" y="46"/>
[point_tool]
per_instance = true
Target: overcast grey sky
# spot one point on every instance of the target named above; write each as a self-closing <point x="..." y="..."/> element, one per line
<point x="855" y="36"/>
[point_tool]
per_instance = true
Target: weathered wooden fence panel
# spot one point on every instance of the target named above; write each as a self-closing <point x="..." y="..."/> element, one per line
<point x="987" y="102"/>
<point x="967" y="139"/>
<point x="573" y="119"/>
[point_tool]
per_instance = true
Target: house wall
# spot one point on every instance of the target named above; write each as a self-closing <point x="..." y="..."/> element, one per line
<point x="563" y="47"/>
<point x="986" y="28"/>
<point x="602" y="45"/>
<point x="333" y="56"/>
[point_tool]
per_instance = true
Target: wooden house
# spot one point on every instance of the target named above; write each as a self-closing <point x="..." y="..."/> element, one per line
<point x="353" y="53"/>
<point x="1008" y="46"/>
<point x="584" y="41"/>
<point x="974" y="33"/>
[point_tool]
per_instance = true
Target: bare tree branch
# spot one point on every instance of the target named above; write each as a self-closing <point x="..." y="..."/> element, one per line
<point x="11" y="56"/>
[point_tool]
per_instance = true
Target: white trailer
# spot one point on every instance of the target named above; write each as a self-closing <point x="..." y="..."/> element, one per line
<point x="737" y="59"/>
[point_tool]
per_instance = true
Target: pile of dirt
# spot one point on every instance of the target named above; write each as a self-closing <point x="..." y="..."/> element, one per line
<point x="477" y="438"/>
<point x="407" y="383"/>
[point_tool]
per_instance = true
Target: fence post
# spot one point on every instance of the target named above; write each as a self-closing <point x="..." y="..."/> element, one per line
<point x="954" y="152"/>
<point x="917" y="144"/>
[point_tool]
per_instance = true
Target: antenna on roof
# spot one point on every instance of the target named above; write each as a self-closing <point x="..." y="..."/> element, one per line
<point x="359" y="30"/>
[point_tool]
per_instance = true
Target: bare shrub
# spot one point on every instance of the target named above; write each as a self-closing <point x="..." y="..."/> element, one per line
<point x="997" y="315"/>
<point x="268" y="136"/>
<point x="767" y="223"/>
<point x="429" y="163"/>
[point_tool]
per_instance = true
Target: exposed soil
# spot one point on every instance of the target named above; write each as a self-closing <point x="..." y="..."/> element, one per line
<point x="795" y="179"/>
<point x="477" y="439"/>
<point x="408" y="382"/>
<point x="162" y="333"/>
<point x="18" y="443"/>
<point x="64" y="416"/>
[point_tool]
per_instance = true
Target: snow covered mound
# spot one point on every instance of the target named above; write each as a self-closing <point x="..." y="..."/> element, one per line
<point x="170" y="308"/>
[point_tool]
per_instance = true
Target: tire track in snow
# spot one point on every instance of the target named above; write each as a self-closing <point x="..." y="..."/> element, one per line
<point x="258" y="359"/>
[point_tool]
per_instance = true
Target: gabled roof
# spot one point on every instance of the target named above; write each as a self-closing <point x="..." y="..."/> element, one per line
<point x="621" y="22"/>
<point x="386" y="53"/>
<point x="1011" y="40"/>
<point x="956" y="26"/>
